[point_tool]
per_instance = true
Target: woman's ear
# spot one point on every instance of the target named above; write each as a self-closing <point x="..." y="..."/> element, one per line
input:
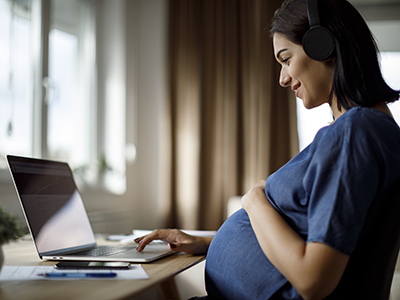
<point x="331" y="60"/>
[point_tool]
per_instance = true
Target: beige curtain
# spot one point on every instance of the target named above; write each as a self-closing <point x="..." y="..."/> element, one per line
<point x="229" y="123"/>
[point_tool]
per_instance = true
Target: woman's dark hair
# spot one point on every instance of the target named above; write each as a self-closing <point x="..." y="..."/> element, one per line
<point x="357" y="79"/>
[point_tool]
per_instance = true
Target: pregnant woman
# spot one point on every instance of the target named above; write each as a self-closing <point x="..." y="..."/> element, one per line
<point x="297" y="230"/>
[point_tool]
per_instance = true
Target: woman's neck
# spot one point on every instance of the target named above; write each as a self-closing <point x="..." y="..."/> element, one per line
<point x="335" y="110"/>
<point x="382" y="106"/>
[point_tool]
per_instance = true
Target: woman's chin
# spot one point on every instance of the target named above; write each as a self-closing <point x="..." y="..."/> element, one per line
<point x="310" y="105"/>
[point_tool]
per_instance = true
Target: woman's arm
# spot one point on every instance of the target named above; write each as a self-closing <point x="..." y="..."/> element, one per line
<point x="177" y="240"/>
<point x="314" y="269"/>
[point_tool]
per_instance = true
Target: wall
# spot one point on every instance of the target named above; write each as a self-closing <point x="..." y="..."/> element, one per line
<point x="383" y="18"/>
<point x="384" y="32"/>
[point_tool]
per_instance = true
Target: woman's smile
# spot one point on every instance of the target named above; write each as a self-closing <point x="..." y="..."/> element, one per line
<point x="296" y="89"/>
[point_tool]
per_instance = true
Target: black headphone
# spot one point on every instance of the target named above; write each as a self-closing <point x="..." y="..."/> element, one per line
<point x="318" y="42"/>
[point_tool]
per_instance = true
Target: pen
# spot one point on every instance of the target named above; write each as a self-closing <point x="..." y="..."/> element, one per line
<point x="78" y="275"/>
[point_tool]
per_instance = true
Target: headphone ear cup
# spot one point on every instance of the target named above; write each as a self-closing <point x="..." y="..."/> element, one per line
<point x="318" y="43"/>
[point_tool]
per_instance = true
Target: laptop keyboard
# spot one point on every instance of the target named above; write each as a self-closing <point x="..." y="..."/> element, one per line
<point x="103" y="251"/>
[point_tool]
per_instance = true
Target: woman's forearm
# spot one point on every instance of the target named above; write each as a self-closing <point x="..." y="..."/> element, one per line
<point x="280" y="243"/>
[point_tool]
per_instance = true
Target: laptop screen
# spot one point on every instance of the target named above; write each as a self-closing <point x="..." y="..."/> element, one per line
<point x="52" y="204"/>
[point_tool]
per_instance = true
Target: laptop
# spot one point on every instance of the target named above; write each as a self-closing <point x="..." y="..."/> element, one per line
<point x="57" y="219"/>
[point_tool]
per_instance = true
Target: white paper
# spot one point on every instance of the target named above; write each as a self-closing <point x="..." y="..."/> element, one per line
<point x="33" y="273"/>
<point x="205" y="233"/>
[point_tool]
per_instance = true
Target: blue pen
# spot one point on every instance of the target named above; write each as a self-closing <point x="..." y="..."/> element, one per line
<point x="79" y="275"/>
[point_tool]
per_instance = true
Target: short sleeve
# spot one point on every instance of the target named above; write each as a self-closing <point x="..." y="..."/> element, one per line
<point x="341" y="181"/>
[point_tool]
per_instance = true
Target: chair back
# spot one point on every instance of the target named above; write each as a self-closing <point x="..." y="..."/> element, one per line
<point x="370" y="270"/>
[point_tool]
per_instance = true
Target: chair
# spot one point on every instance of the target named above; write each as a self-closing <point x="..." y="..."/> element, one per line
<point x="370" y="270"/>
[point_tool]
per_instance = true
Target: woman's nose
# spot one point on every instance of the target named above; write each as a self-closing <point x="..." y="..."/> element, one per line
<point x="284" y="79"/>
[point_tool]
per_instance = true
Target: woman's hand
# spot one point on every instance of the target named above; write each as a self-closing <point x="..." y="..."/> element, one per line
<point x="254" y="196"/>
<point x="177" y="241"/>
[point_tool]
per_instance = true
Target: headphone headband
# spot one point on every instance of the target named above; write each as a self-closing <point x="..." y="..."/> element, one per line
<point x="313" y="13"/>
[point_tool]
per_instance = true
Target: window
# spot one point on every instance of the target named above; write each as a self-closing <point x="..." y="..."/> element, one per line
<point x="47" y="54"/>
<point x="310" y="121"/>
<point x="68" y="83"/>
<point x="390" y="64"/>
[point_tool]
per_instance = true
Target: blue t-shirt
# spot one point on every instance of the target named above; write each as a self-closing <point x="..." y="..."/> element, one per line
<point x="323" y="193"/>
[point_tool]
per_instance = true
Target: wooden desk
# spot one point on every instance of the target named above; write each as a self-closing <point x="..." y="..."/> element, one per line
<point x="23" y="253"/>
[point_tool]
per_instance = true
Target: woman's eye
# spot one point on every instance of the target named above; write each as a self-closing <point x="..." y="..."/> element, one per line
<point x="285" y="60"/>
